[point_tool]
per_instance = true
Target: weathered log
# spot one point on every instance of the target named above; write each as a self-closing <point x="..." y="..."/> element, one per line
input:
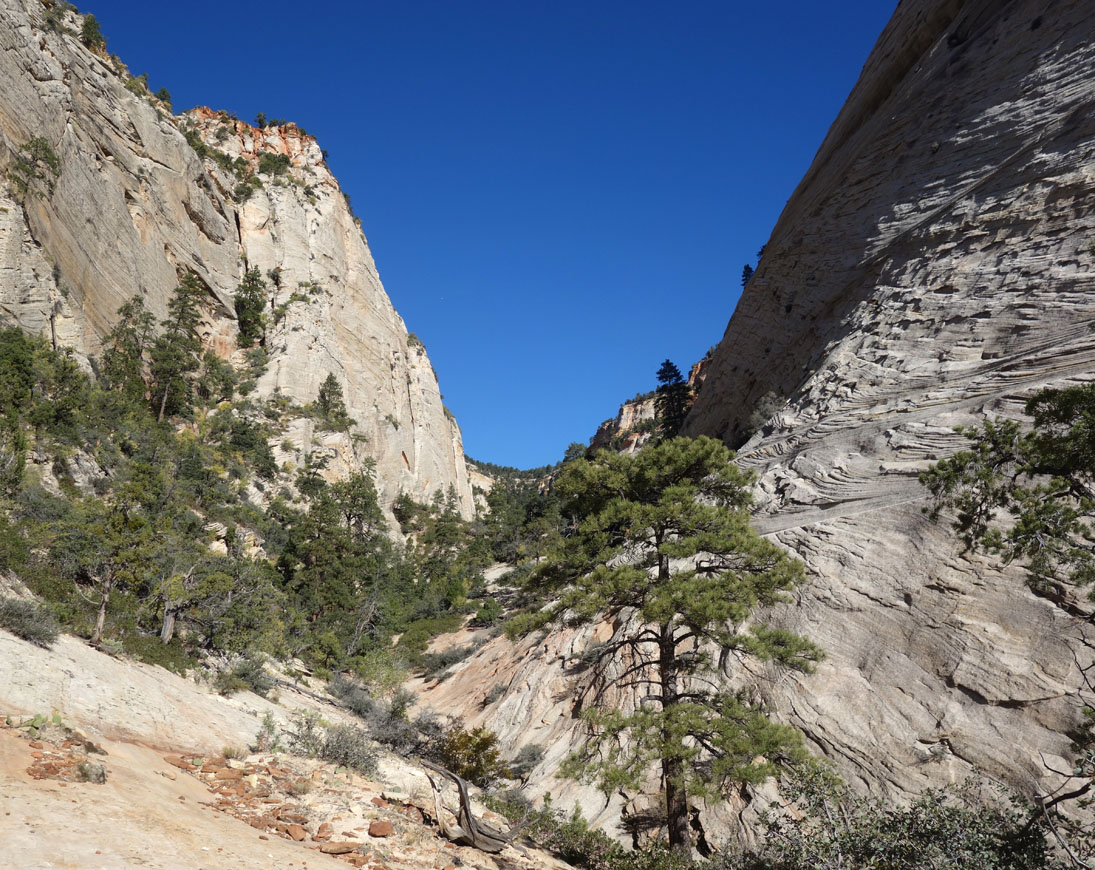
<point x="467" y="830"/>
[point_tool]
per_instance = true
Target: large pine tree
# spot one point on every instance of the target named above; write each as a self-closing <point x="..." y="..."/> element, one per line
<point x="661" y="547"/>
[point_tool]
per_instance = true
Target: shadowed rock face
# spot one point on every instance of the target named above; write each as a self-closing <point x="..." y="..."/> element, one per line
<point x="134" y="205"/>
<point x="934" y="266"/>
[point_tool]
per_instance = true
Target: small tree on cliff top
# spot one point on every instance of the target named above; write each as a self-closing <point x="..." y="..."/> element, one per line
<point x="661" y="546"/>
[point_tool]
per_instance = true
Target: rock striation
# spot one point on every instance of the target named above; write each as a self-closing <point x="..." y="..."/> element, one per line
<point x="133" y="205"/>
<point x="934" y="266"/>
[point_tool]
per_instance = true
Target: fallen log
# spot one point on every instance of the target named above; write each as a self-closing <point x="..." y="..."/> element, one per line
<point x="467" y="830"/>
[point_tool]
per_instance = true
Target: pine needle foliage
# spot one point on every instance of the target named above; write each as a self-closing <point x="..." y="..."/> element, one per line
<point x="660" y="545"/>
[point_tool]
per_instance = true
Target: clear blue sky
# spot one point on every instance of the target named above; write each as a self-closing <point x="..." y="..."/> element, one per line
<point x="558" y="195"/>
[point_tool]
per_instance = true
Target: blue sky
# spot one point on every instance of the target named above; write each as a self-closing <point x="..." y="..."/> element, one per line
<point x="558" y="195"/>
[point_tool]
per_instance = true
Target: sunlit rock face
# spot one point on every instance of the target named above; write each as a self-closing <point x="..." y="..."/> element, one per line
<point x="933" y="267"/>
<point x="133" y="206"/>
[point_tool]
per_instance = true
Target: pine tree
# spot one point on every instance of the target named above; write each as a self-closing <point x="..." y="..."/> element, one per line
<point x="331" y="405"/>
<point x="746" y="274"/>
<point x="124" y="349"/>
<point x="250" y="304"/>
<point x="660" y="546"/>
<point x="672" y="401"/>
<point x="176" y="354"/>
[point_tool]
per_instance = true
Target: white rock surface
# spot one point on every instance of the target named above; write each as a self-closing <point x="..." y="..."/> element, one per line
<point x="933" y="267"/>
<point x="134" y="206"/>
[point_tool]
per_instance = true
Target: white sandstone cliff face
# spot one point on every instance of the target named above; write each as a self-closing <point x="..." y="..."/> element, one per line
<point x="934" y="266"/>
<point x="133" y="206"/>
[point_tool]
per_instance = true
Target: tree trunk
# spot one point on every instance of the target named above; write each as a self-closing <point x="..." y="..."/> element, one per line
<point x="100" y="620"/>
<point x="163" y="402"/>
<point x="167" y="630"/>
<point x="676" y="795"/>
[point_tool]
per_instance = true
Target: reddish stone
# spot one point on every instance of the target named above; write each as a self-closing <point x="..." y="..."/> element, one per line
<point x="179" y="762"/>
<point x="338" y="848"/>
<point x="297" y="832"/>
<point x="227" y="773"/>
<point x="380" y="802"/>
<point x="324" y="832"/>
<point x="380" y="828"/>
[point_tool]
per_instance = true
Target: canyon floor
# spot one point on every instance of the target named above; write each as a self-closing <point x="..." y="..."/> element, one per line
<point x="172" y="800"/>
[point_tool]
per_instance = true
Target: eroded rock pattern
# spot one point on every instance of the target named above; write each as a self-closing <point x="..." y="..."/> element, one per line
<point x="935" y="265"/>
<point x="133" y="205"/>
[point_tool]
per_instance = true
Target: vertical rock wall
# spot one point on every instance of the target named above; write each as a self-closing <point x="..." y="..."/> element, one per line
<point x="134" y="205"/>
<point x="934" y="266"/>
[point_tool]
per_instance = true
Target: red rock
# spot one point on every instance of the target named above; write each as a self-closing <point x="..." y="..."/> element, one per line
<point x="358" y="860"/>
<point x="338" y="848"/>
<point x="297" y="832"/>
<point x="324" y="832"/>
<point x="226" y="773"/>
<point x="380" y="828"/>
<point x="179" y="762"/>
<point x="380" y="802"/>
<point x="36" y="744"/>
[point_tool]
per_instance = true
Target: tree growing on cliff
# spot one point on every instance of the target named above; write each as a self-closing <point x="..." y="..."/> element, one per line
<point x="660" y="546"/>
<point x="176" y="354"/>
<point x="250" y="306"/>
<point x="1042" y="477"/>
<point x="672" y="400"/>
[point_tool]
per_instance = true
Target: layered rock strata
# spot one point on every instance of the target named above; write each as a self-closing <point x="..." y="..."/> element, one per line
<point x="933" y="267"/>
<point x="132" y="206"/>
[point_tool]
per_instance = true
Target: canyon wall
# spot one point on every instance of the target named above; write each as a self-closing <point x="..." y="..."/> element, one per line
<point x="132" y="206"/>
<point x="934" y="266"/>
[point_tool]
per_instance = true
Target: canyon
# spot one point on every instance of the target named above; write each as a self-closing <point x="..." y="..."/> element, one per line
<point x="934" y="267"/>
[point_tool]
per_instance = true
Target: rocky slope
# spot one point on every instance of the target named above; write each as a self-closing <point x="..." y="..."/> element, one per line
<point x="171" y="800"/>
<point x="934" y="265"/>
<point x="132" y="205"/>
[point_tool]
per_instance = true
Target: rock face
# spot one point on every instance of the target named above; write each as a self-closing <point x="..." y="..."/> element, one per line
<point x="935" y="265"/>
<point x="133" y="206"/>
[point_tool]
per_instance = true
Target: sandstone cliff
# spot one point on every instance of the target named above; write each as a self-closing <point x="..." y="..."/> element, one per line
<point x="133" y="205"/>
<point x="934" y="265"/>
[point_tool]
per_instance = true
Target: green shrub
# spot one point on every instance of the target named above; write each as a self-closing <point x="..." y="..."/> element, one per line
<point x="29" y="620"/>
<point x="473" y="755"/>
<point x="304" y="733"/>
<point x="90" y="33"/>
<point x="489" y="612"/>
<point x="247" y="674"/>
<point x="273" y="164"/>
<point x="350" y="746"/>
<point x="955" y="827"/>
<point x="153" y="651"/>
